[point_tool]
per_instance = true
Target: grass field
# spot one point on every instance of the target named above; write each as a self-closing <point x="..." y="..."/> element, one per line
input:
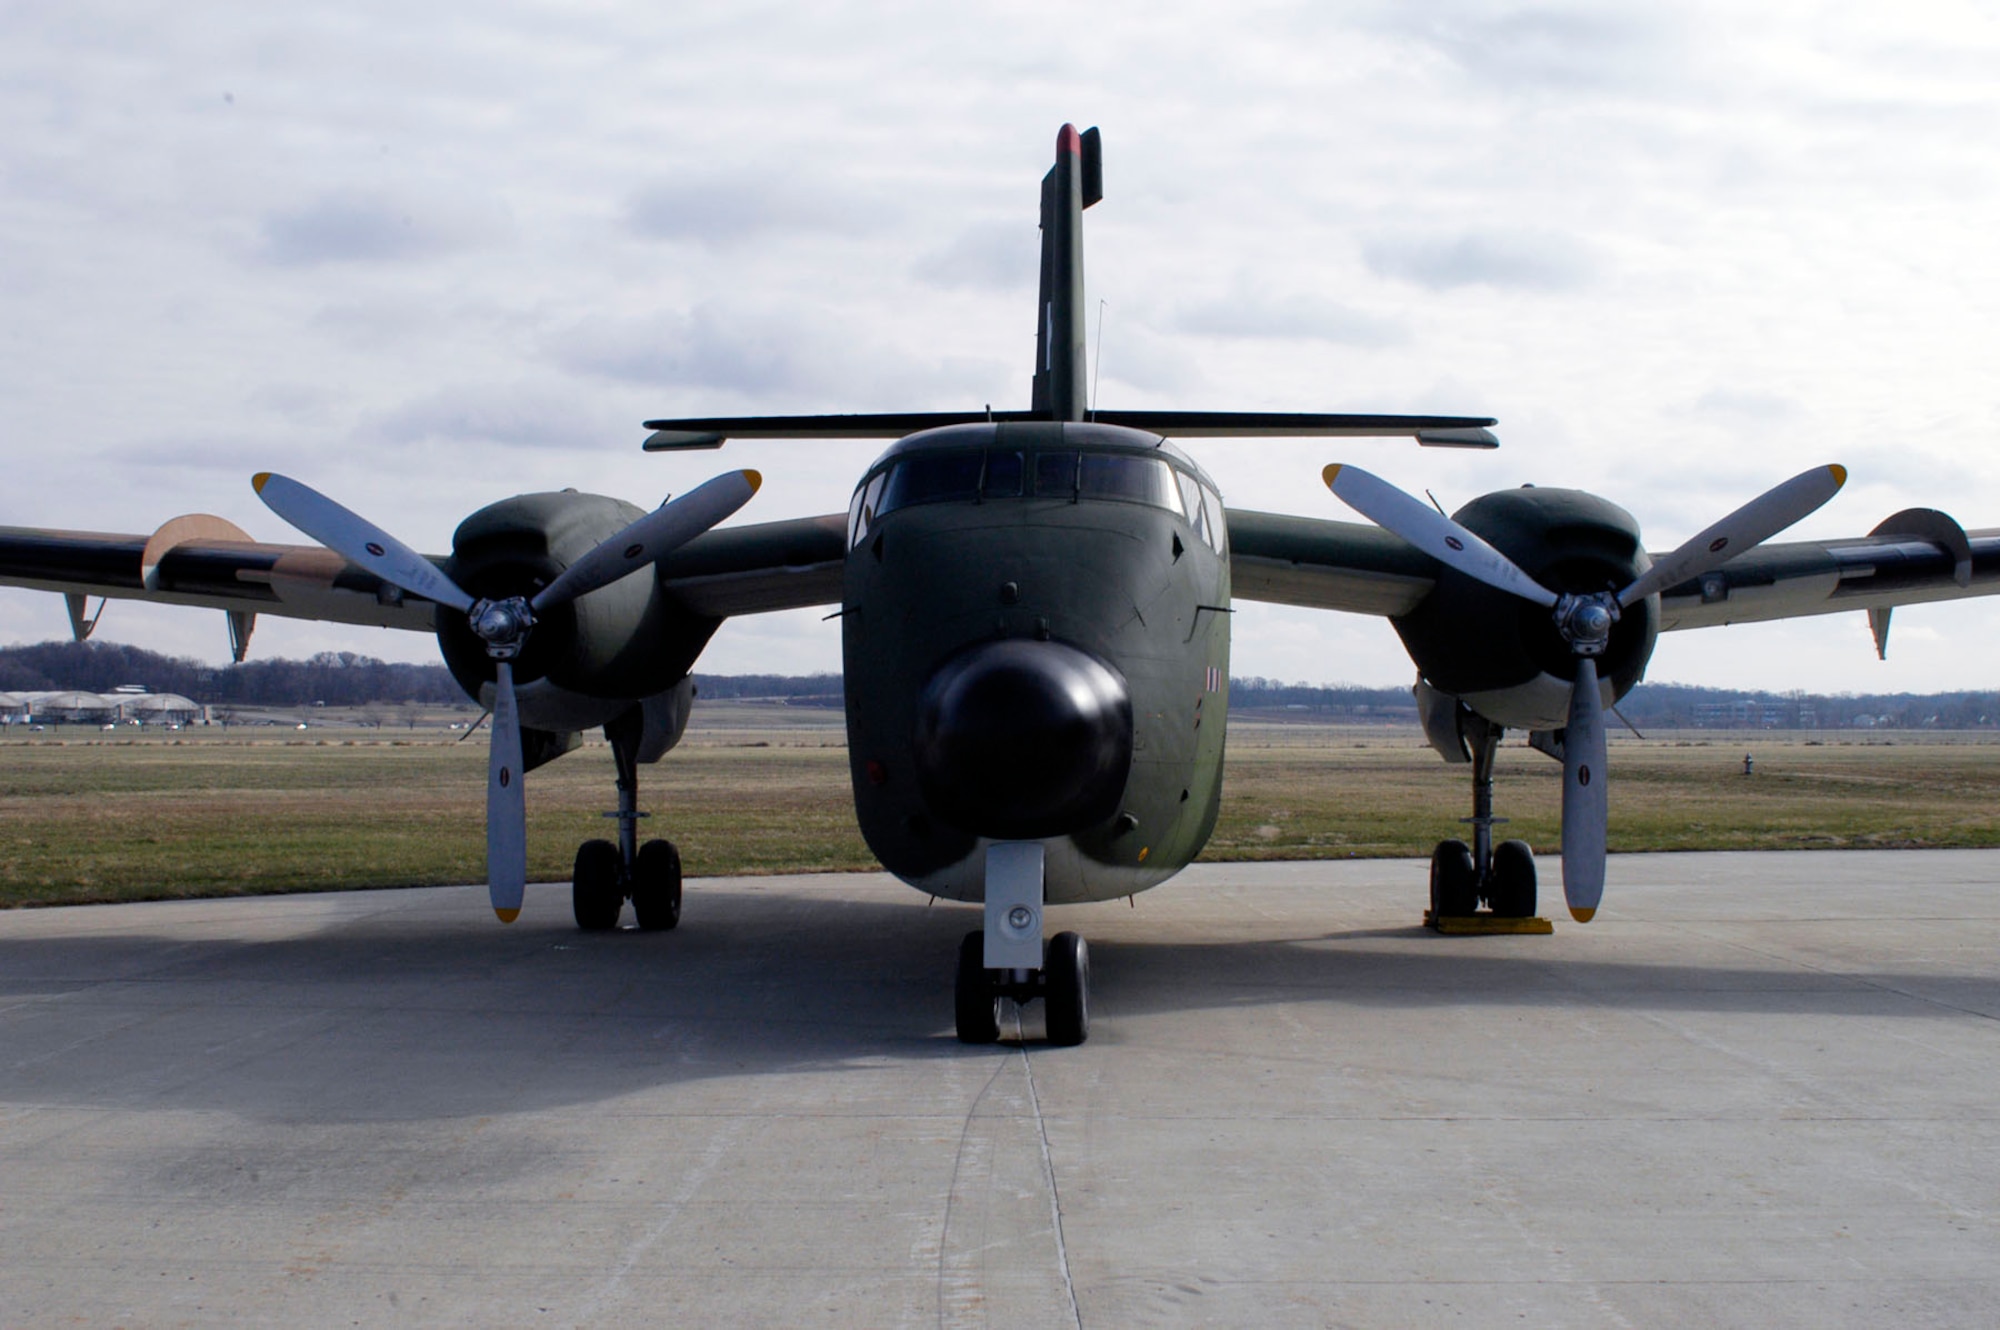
<point x="97" y="817"/>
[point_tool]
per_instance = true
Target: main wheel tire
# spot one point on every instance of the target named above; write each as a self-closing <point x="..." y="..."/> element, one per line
<point x="1512" y="889"/>
<point x="595" y="894"/>
<point x="1066" y="995"/>
<point x="978" y="1006"/>
<point x="1454" y="880"/>
<point x="656" y="886"/>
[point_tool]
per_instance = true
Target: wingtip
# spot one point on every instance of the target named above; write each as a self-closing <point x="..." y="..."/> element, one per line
<point x="507" y="916"/>
<point x="1582" y="915"/>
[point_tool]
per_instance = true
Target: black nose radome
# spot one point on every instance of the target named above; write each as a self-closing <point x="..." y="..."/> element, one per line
<point x="1018" y="740"/>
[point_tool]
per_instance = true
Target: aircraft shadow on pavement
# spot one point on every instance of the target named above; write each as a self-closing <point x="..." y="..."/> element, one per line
<point x="400" y="1015"/>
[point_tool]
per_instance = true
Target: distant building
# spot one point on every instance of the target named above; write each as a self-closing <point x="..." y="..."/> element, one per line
<point x="158" y="708"/>
<point x="76" y="708"/>
<point x="1750" y="713"/>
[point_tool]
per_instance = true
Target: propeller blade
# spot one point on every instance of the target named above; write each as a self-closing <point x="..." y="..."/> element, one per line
<point x="657" y="533"/>
<point x="359" y="540"/>
<point x="1751" y="525"/>
<point x="1585" y="807"/>
<point x="1431" y="531"/>
<point x="506" y="802"/>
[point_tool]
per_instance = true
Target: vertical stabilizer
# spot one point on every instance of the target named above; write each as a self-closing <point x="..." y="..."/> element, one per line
<point x="1074" y="183"/>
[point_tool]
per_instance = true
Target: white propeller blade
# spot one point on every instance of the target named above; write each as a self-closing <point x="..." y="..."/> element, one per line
<point x="1585" y="809"/>
<point x="1431" y="531"/>
<point x="657" y="533"/>
<point x="359" y="540"/>
<point x="506" y="802"/>
<point x="1752" y="524"/>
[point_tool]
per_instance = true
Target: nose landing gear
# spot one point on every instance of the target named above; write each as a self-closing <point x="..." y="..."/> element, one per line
<point x="1062" y="983"/>
<point x="1008" y="958"/>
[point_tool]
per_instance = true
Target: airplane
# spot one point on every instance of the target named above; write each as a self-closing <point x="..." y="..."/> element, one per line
<point x="1035" y="624"/>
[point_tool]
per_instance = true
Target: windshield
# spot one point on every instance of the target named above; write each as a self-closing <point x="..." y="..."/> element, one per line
<point x="996" y="473"/>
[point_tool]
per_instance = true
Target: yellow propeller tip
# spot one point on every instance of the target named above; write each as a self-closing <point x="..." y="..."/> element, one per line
<point x="1581" y="915"/>
<point x="258" y="481"/>
<point x="756" y="479"/>
<point x="507" y="916"/>
<point x="1332" y="470"/>
<point x="1839" y="473"/>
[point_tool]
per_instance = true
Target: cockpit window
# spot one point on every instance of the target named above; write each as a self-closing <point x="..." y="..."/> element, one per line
<point x="1065" y="474"/>
<point x="1003" y="476"/>
<point x="934" y="478"/>
<point x="1055" y="475"/>
<point x="931" y="478"/>
<point x="861" y="512"/>
<point x="1203" y="508"/>
<point x="1122" y="476"/>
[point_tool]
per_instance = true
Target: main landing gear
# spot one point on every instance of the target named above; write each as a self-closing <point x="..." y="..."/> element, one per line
<point x="1008" y="959"/>
<point x="606" y="875"/>
<point x="1463" y="877"/>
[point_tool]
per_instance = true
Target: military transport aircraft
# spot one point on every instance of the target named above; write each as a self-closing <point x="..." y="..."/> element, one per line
<point x="1034" y="612"/>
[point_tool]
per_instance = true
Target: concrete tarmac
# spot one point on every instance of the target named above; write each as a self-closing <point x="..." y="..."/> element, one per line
<point x="1759" y="1090"/>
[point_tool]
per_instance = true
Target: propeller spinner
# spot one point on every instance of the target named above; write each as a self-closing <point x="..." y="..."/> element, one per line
<point x="504" y="624"/>
<point x="1585" y="621"/>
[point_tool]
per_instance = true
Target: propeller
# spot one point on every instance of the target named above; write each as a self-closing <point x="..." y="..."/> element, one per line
<point x="1585" y="621"/>
<point x="503" y="624"/>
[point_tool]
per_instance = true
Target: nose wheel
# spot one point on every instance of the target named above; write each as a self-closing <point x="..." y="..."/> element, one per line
<point x="1062" y="983"/>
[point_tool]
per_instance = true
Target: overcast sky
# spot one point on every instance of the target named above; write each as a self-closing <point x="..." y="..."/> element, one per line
<point x="425" y="256"/>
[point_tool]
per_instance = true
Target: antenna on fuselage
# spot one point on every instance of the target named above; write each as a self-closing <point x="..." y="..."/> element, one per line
<point x="1097" y="358"/>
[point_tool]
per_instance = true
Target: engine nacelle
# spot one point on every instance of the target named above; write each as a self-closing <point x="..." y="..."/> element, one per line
<point x="1503" y="655"/>
<point x="614" y="646"/>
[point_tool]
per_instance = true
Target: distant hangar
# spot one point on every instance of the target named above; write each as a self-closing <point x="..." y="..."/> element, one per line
<point x="123" y="706"/>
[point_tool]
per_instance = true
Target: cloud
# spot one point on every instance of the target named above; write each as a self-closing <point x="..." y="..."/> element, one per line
<point x="793" y="354"/>
<point x="1517" y="260"/>
<point x="996" y="256"/>
<point x="1738" y="406"/>
<point x="1295" y="315"/>
<point x="1140" y="358"/>
<point x="359" y="228"/>
<point x="176" y="455"/>
<point x="487" y="414"/>
<point x="1550" y="47"/>
<point x="727" y="209"/>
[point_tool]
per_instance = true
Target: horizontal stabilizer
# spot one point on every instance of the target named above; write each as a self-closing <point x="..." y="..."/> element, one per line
<point x="1431" y="431"/>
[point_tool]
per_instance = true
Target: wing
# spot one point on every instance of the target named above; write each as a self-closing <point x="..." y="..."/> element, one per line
<point x="1918" y="555"/>
<point x="206" y="561"/>
<point x="759" y="568"/>
<point x="1325" y="565"/>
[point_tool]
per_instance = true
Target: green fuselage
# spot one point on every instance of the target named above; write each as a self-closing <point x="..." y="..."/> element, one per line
<point x="1076" y="536"/>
